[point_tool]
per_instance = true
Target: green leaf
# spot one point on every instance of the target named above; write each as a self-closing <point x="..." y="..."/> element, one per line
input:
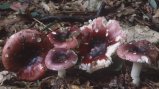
<point x="4" y="6"/>
<point x="34" y="14"/>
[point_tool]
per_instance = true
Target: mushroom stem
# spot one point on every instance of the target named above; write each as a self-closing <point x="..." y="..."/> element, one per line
<point x="61" y="73"/>
<point x="135" y="73"/>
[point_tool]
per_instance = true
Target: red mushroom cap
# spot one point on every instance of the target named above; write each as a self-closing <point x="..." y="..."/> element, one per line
<point x="99" y="40"/>
<point x="24" y="54"/>
<point x="33" y="71"/>
<point x="60" y="59"/>
<point x="139" y="51"/>
<point x="64" y="37"/>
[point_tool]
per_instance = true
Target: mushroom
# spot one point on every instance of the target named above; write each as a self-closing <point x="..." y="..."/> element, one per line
<point x="138" y="52"/>
<point x="24" y="54"/>
<point x="60" y="59"/>
<point x="64" y="37"/>
<point x="98" y="41"/>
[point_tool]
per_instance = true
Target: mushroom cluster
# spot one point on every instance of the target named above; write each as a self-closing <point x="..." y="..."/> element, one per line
<point x="29" y="53"/>
<point x="62" y="57"/>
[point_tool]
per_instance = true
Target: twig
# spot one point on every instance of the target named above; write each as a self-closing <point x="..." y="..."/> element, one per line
<point x="101" y="8"/>
<point x="66" y="18"/>
<point x="38" y="21"/>
<point x="76" y="12"/>
<point x="45" y="27"/>
<point x="149" y="84"/>
<point x="142" y="22"/>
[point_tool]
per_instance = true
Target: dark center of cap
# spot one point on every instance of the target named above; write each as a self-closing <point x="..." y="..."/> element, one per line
<point x="62" y="35"/>
<point x="60" y="57"/>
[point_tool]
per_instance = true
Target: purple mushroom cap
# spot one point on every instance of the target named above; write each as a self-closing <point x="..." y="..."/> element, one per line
<point x="60" y="59"/>
<point x="141" y="51"/>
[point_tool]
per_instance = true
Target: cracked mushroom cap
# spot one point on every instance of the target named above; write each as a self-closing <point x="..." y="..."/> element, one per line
<point x="141" y="51"/>
<point x="99" y="40"/>
<point x="60" y="59"/>
<point x="24" y="54"/>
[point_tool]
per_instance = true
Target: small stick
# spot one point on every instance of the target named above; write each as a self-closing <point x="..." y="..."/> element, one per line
<point x="42" y="24"/>
<point x="66" y="18"/>
<point x="101" y="8"/>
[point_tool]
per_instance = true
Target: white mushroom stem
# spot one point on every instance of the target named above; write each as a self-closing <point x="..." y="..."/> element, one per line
<point x="135" y="73"/>
<point x="61" y="73"/>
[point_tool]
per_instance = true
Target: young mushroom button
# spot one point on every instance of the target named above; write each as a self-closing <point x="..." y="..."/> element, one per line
<point x="60" y="59"/>
<point x="24" y="54"/>
<point x="138" y="52"/>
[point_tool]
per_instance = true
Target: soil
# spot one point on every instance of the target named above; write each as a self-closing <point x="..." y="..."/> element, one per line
<point x="46" y="15"/>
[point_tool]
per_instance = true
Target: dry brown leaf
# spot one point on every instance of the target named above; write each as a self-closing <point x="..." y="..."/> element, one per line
<point x="45" y="6"/>
<point x="9" y="21"/>
<point x="5" y="75"/>
<point x="126" y="11"/>
<point x="156" y="13"/>
<point x="139" y="32"/>
<point x="17" y="6"/>
<point x="74" y="87"/>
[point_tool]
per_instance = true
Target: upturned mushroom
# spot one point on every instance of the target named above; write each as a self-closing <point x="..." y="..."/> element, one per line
<point x="98" y="42"/>
<point x="60" y="59"/>
<point x="139" y="52"/>
<point x="64" y="37"/>
<point x="24" y="54"/>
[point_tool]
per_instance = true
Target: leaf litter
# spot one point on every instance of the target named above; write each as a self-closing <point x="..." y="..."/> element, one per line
<point x="139" y="19"/>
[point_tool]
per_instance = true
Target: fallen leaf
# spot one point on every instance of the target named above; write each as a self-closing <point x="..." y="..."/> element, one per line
<point x="75" y="87"/>
<point x="156" y="13"/>
<point x="139" y="32"/>
<point x="126" y="11"/>
<point x="17" y="6"/>
<point x="9" y="21"/>
<point x="4" y="6"/>
<point x="153" y="3"/>
<point x="34" y="14"/>
<point x="45" y="6"/>
<point x="5" y="75"/>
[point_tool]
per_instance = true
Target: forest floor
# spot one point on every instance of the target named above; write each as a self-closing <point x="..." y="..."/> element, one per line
<point x="45" y="15"/>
